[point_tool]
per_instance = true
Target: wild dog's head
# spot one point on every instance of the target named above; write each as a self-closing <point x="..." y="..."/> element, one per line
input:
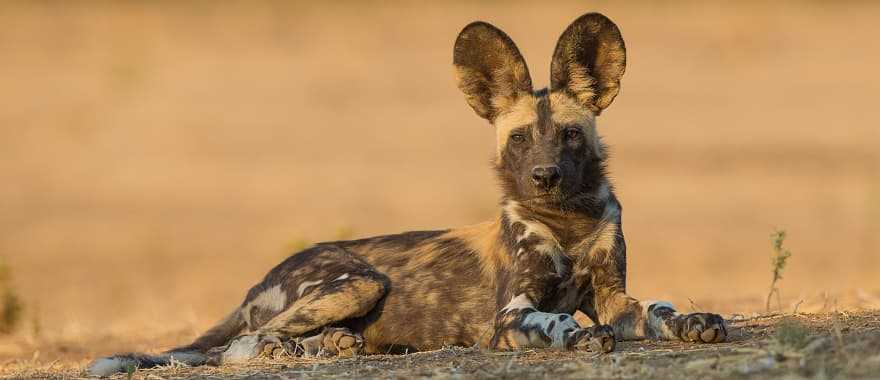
<point x="548" y="148"/>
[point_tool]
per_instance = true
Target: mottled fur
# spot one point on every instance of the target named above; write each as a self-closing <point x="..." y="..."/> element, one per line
<point x="556" y="246"/>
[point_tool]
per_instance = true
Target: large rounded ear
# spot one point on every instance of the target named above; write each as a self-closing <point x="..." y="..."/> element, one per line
<point x="491" y="71"/>
<point x="588" y="62"/>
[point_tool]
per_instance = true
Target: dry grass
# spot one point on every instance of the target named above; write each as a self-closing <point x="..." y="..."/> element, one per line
<point x="158" y="157"/>
<point x="762" y="347"/>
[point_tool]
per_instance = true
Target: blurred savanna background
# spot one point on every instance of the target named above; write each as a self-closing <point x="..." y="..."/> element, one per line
<point x="157" y="158"/>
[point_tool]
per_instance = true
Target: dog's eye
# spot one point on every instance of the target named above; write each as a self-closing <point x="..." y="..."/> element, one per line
<point x="572" y="134"/>
<point x="517" y="138"/>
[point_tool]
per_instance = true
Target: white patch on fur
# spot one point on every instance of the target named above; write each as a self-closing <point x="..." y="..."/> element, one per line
<point x="518" y="303"/>
<point x="531" y="227"/>
<point x="241" y="349"/>
<point x="656" y="326"/>
<point x="342" y="277"/>
<point x="540" y="320"/>
<point x="535" y="228"/>
<point x="564" y="110"/>
<point x="108" y="366"/>
<point x="658" y="304"/>
<point x="305" y="285"/>
<point x="273" y="299"/>
<point x="548" y="245"/>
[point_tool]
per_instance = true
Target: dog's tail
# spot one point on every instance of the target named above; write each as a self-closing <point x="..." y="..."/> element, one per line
<point x="194" y="354"/>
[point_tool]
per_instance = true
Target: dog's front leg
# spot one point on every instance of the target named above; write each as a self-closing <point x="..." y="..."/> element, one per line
<point x="632" y="319"/>
<point x="519" y="323"/>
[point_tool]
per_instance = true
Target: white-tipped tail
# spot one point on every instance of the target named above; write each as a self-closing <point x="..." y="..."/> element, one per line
<point x="109" y="366"/>
<point x="194" y="354"/>
<point x="130" y="362"/>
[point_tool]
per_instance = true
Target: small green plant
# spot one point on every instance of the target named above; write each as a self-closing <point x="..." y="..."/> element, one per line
<point x="791" y="334"/>
<point x="130" y="370"/>
<point x="11" y="308"/>
<point x="777" y="261"/>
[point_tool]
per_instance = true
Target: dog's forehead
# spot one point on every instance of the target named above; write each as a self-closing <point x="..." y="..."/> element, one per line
<point x="565" y="110"/>
<point x="556" y="106"/>
<point x="543" y="110"/>
<point x="523" y="112"/>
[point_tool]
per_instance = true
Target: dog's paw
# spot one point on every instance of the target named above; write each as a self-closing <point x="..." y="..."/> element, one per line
<point x="602" y="339"/>
<point x="274" y="347"/>
<point x="249" y="346"/>
<point x="333" y="341"/>
<point x="599" y="339"/>
<point x="342" y="341"/>
<point x="701" y="328"/>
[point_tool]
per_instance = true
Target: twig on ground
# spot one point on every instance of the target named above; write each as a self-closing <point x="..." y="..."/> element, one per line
<point x="694" y="307"/>
<point x="796" y="306"/>
<point x="743" y="318"/>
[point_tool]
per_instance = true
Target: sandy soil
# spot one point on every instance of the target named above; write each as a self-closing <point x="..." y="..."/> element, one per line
<point x="837" y="345"/>
<point x="157" y="158"/>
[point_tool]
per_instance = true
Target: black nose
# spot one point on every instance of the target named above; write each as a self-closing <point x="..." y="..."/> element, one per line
<point x="545" y="176"/>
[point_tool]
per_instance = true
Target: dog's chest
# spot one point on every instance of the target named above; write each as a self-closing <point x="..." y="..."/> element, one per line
<point x="581" y="257"/>
<point x="571" y="288"/>
<point x="578" y="244"/>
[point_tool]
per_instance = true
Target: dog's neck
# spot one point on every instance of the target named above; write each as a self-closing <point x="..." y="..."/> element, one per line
<point x="569" y="222"/>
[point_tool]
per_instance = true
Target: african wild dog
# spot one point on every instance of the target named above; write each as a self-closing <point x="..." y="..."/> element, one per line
<point x="556" y="247"/>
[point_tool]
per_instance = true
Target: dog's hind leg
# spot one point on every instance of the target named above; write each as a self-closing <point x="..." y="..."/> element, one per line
<point x="307" y="292"/>
<point x="336" y="287"/>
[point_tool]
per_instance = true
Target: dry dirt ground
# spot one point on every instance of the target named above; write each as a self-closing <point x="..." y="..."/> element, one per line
<point x="834" y="345"/>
